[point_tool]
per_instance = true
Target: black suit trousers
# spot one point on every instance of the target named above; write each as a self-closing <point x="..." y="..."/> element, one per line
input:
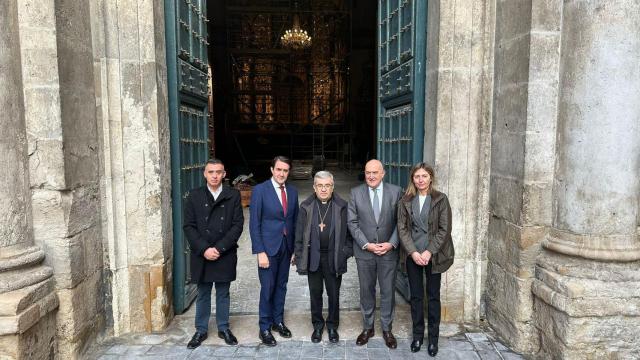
<point x="416" y="287"/>
<point x="331" y="282"/>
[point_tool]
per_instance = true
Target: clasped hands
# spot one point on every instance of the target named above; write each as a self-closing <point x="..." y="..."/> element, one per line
<point x="421" y="259"/>
<point x="211" y="254"/>
<point x="379" y="249"/>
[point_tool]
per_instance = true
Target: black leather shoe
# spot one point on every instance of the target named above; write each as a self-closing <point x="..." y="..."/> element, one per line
<point x="267" y="338"/>
<point x="364" y="336"/>
<point x="196" y="340"/>
<point x="333" y="335"/>
<point x="282" y="330"/>
<point x="416" y="345"/>
<point x="433" y="349"/>
<point x="228" y="337"/>
<point x="389" y="339"/>
<point x="316" y="336"/>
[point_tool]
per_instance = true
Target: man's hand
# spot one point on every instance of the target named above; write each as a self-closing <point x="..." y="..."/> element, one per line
<point x="211" y="254"/>
<point x="293" y="259"/>
<point x="383" y="248"/>
<point x="371" y="247"/>
<point x="426" y="256"/>
<point x="263" y="260"/>
<point x="417" y="258"/>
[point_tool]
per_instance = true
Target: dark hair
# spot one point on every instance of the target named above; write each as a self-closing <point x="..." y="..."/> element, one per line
<point x="214" y="161"/>
<point x="280" y="158"/>
<point x="411" y="191"/>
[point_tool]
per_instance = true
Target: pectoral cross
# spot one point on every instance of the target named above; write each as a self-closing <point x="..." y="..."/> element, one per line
<point x="321" y="226"/>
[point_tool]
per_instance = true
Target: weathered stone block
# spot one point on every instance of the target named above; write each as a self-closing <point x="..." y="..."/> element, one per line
<point x="536" y="205"/>
<point x="46" y="162"/>
<point x="505" y="197"/>
<point x="510" y="110"/>
<point x="39" y="342"/>
<point x="80" y="313"/>
<point x="513" y="18"/>
<point x="546" y="15"/>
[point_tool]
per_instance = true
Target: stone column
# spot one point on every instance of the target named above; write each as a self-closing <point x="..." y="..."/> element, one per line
<point x="587" y="283"/>
<point x="27" y="324"/>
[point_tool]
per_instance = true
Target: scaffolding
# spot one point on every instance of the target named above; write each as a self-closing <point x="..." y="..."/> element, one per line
<point x="286" y="101"/>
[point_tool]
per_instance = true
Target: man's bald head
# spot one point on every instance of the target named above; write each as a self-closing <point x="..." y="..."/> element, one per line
<point x="373" y="173"/>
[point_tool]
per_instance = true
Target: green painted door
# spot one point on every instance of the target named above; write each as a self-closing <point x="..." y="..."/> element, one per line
<point x="186" y="37"/>
<point x="401" y="86"/>
<point x="401" y="92"/>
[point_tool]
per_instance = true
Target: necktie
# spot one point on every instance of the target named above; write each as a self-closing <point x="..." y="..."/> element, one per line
<point x="376" y="205"/>
<point x="283" y="194"/>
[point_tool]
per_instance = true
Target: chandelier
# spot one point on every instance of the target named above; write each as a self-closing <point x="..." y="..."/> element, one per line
<point x="296" y="38"/>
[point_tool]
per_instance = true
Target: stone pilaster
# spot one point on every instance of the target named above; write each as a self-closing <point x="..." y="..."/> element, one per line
<point x="457" y="128"/>
<point x="27" y="297"/>
<point x="128" y="48"/>
<point x="522" y="160"/>
<point x="587" y="280"/>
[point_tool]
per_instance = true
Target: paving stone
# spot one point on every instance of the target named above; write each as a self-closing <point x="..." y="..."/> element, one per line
<point x="489" y="355"/>
<point x="379" y="353"/>
<point x="400" y="354"/>
<point x="499" y="346"/>
<point x="245" y="351"/>
<point x="477" y="337"/>
<point x="358" y="352"/>
<point x="169" y="352"/>
<point x="334" y="352"/>
<point x="118" y="349"/>
<point x="484" y="346"/>
<point x="376" y="343"/>
<point x="316" y="351"/>
<point x="447" y="354"/>
<point x="267" y="351"/>
<point x="457" y="345"/>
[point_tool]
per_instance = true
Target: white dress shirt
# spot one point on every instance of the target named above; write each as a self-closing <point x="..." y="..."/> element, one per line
<point x="215" y="193"/>
<point x="277" y="186"/>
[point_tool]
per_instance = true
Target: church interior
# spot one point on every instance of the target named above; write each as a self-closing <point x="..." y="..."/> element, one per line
<point x="311" y="98"/>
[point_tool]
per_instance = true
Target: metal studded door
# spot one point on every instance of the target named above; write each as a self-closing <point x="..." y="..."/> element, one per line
<point x="401" y="85"/>
<point x="187" y="75"/>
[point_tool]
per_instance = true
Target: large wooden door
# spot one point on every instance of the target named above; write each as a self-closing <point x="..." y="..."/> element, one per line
<point x="187" y="75"/>
<point x="401" y="85"/>
<point x="401" y="92"/>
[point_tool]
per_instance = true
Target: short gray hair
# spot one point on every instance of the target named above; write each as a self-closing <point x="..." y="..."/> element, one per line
<point x="322" y="175"/>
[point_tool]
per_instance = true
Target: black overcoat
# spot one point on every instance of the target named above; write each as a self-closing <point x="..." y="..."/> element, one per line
<point x="218" y="224"/>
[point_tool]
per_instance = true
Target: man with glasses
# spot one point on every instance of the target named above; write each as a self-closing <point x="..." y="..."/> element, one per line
<point x="323" y="245"/>
<point x="372" y="221"/>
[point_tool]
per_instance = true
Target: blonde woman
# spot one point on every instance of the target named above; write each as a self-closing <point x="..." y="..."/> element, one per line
<point x="424" y="228"/>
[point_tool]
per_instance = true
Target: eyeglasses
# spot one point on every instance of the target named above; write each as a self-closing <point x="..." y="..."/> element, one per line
<point x="323" y="187"/>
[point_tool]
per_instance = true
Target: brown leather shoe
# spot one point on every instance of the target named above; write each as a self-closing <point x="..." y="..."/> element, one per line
<point x="364" y="337"/>
<point x="389" y="339"/>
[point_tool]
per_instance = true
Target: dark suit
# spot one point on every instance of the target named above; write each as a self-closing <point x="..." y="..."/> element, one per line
<point x="364" y="229"/>
<point x="218" y="224"/>
<point x="273" y="232"/>
<point x="329" y="265"/>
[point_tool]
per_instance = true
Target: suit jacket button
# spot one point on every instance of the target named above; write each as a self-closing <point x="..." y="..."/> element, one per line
<point x="222" y="205"/>
<point x="207" y="231"/>
<point x="221" y="217"/>
<point x="206" y="218"/>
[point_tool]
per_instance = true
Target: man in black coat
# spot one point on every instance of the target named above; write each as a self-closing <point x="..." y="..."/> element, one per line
<point x="322" y="246"/>
<point x="213" y="223"/>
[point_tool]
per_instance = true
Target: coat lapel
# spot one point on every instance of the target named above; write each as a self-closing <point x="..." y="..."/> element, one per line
<point x="415" y="211"/>
<point x="274" y="196"/>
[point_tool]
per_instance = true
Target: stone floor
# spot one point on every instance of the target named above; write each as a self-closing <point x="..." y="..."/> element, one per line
<point x="457" y="341"/>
